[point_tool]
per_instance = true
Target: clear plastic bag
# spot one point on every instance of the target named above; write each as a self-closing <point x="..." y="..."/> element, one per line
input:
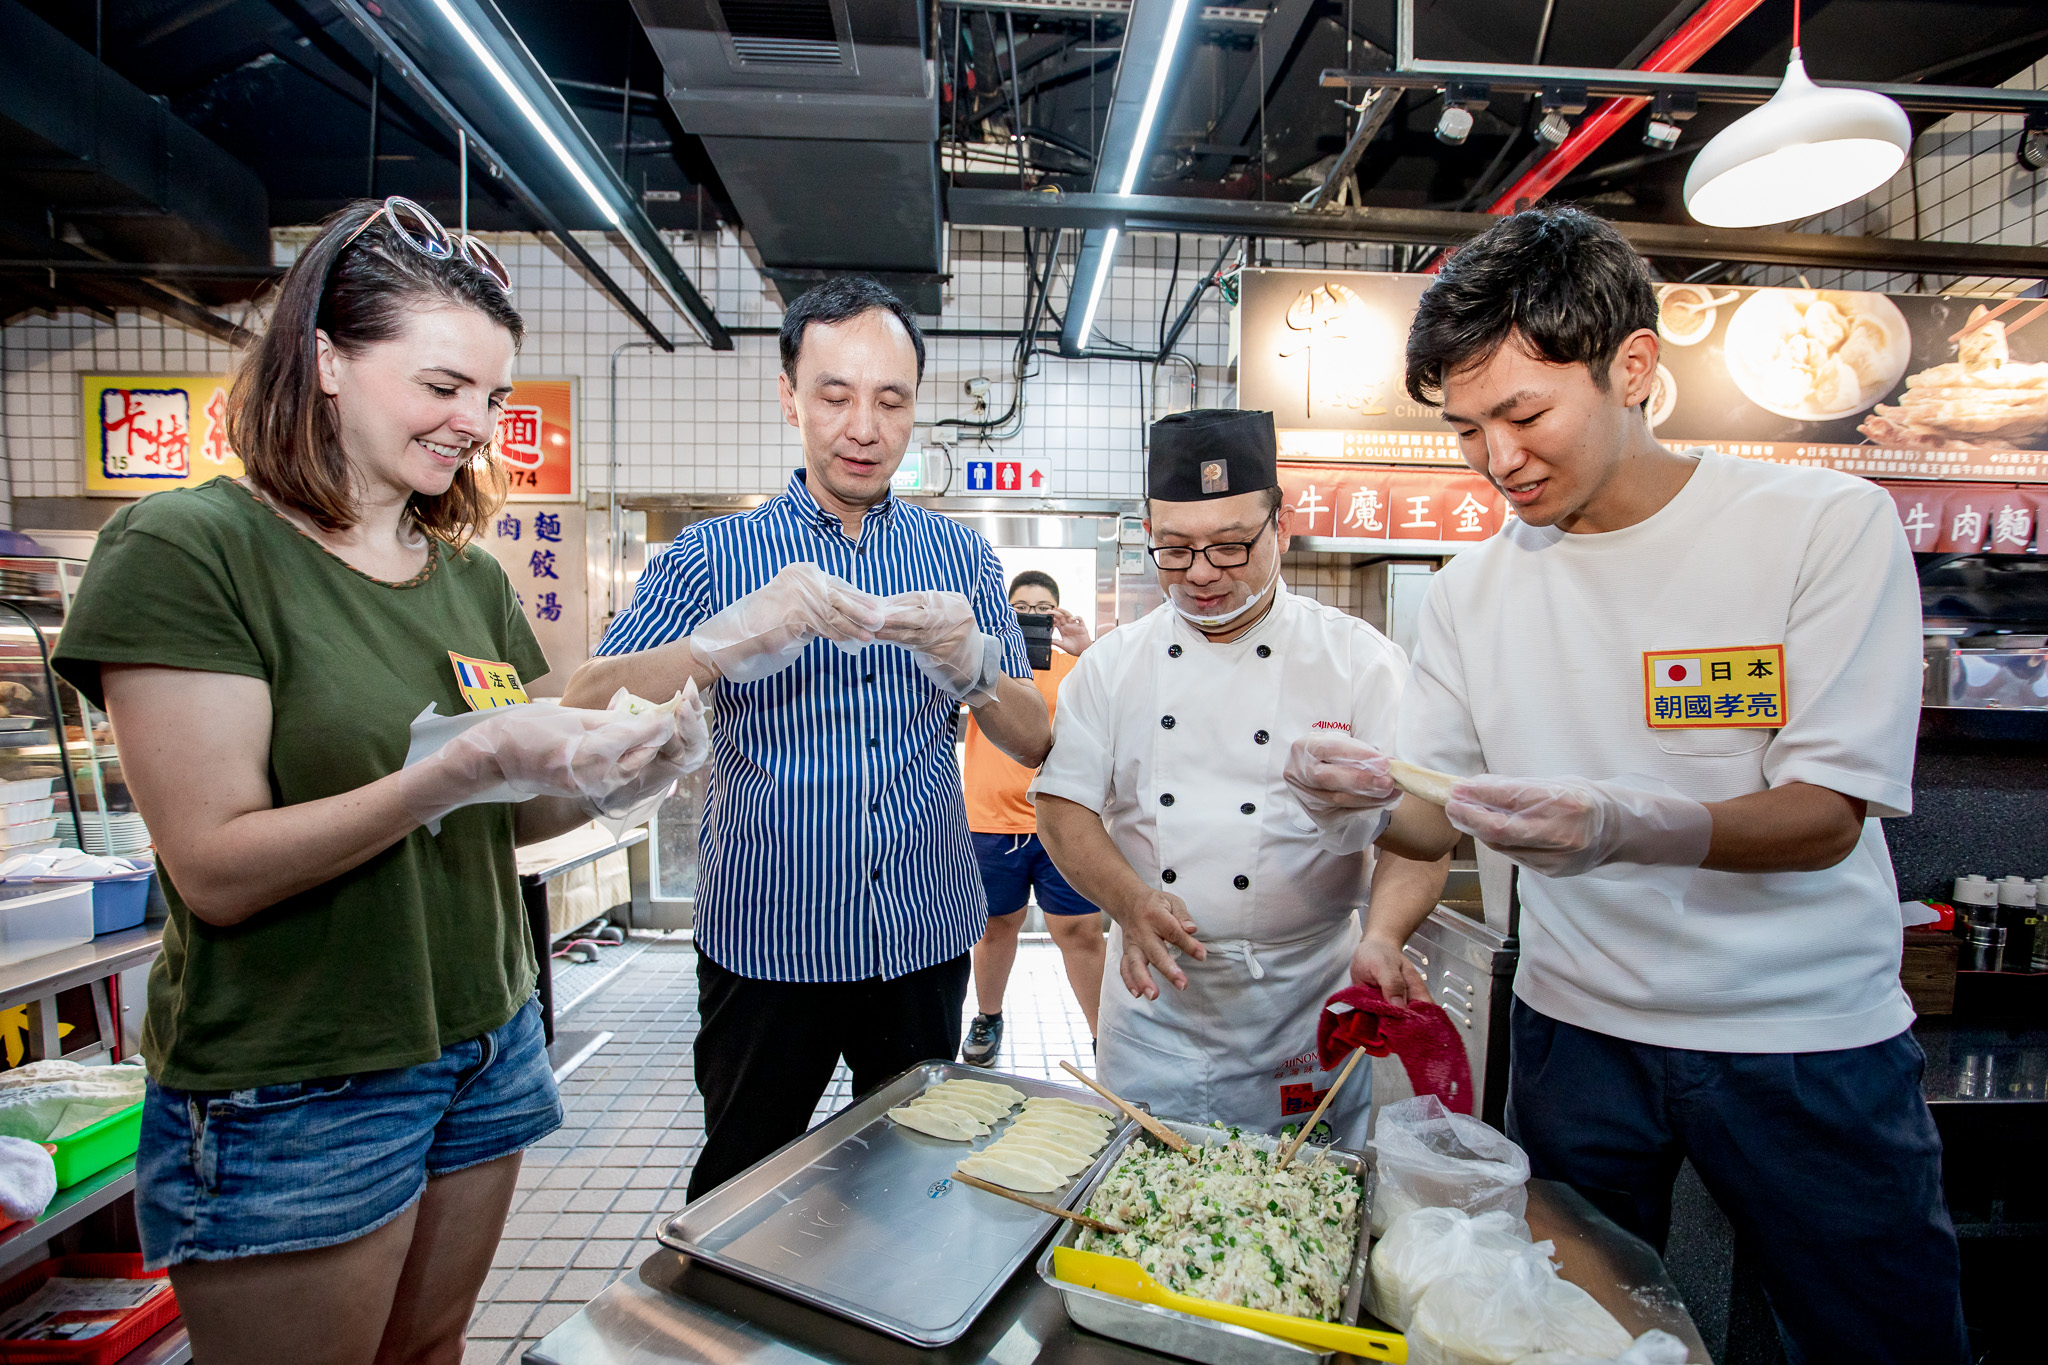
<point x="1432" y="1158"/>
<point x="1651" y="1348"/>
<point x="1499" y="1319"/>
<point x="1427" y="1245"/>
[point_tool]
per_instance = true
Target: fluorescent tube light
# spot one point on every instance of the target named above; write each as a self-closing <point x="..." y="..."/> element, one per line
<point x="525" y="107"/>
<point x="1162" y="67"/>
<point x="1101" y="279"/>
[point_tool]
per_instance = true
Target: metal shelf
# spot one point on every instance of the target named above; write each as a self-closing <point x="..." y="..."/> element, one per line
<point x="107" y="955"/>
<point x="168" y="1347"/>
<point x="71" y="1206"/>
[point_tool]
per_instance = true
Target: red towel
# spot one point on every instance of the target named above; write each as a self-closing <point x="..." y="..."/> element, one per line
<point x="1419" y="1033"/>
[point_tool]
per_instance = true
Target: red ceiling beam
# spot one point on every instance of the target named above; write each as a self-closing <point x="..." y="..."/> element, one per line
<point x="1676" y="53"/>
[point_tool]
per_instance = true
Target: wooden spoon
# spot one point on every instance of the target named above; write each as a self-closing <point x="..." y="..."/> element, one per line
<point x="1083" y="1219"/>
<point x="1140" y="1117"/>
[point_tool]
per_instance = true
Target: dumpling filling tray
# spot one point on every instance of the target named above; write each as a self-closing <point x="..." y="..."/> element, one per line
<point x="861" y="1217"/>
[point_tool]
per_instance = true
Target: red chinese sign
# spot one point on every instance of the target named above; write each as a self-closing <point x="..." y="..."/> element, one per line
<point x="1969" y="518"/>
<point x="1374" y="502"/>
<point x="144" y="433"/>
<point x="537" y="439"/>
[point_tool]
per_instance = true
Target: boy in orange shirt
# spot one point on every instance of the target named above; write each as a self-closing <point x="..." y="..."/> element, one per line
<point x="1012" y="859"/>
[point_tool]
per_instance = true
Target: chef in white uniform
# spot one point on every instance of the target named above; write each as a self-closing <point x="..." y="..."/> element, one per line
<point x="1163" y="802"/>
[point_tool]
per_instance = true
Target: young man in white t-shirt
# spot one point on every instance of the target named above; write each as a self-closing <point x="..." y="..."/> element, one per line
<point x="1692" y="683"/>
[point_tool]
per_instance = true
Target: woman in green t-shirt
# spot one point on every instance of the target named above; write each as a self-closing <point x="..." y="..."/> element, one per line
<point x="344" y="1054"/>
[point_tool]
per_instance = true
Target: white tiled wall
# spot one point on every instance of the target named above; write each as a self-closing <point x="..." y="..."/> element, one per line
<point x="698" y="421"/>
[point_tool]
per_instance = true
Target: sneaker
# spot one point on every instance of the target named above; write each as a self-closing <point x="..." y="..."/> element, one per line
<point x="984" y="1040"/>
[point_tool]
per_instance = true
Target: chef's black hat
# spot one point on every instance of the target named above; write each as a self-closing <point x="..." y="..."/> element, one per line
<point x="1212" y="453"/>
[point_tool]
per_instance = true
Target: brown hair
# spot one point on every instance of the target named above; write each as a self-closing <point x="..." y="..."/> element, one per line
<point x="281" y="424"/>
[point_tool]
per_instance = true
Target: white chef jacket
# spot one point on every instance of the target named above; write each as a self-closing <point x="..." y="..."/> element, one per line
<point x="1179" y="744"/>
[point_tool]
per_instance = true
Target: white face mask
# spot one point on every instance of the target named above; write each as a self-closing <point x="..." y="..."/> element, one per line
<point x="1173" y="595"/>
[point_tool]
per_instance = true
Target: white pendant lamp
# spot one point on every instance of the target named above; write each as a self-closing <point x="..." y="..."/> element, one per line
<point x="1805" y="150"/>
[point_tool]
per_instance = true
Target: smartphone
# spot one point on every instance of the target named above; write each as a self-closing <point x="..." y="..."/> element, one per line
<point x="1037" y="639"/>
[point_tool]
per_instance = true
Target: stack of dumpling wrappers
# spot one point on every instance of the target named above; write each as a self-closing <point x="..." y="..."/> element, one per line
<point x="1047" y="1145"/>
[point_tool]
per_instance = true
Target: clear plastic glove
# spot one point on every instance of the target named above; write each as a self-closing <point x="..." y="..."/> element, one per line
<point x="1570" y="826"/>
<point x="1331" y="772"/>
<point x="684" y="752"/>
<point x="518" y="752"/>
<point x="951" y="648"/>
<point x="765" y="631"/>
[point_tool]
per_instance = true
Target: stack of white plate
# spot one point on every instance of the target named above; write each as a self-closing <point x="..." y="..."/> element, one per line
<point x="122" y="833"/>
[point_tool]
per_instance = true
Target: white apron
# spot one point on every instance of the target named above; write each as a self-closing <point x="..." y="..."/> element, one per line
<point x="1198" y="735"/>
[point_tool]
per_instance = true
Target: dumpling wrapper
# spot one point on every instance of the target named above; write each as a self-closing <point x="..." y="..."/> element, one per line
<point x="1427" y="783"/>
<point x="981" y="1106"/>
<point x="1018" y="1171"/>
<point x="966" y="1117"/>
<point x="967" y="1094"/>
<point x="1037" y="1102"/>
<point x="935" y="1124"/>
<point x="1002" y="1092"/>
<point x="1056" y="1128"/>
<point x="1064" y="1160"/>
<point x="622" y="700"/>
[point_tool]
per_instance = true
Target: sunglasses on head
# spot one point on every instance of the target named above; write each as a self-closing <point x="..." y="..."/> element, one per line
<point x="423" y="232"/>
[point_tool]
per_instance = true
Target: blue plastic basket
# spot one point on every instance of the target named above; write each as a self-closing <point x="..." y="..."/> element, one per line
<point x="120" y="902"/>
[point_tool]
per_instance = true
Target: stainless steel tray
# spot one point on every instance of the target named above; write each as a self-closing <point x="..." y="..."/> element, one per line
<point x="1183" y="1334"/>
<point x="860" y="1216"/>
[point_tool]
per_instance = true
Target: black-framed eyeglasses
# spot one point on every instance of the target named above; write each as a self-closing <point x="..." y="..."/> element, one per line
<point x="423" y="232"/>
<point x="1230" y="554"/>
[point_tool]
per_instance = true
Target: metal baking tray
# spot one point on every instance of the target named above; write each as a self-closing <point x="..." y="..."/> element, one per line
<point x="860" y="1216"/>
<point x="1183" y="1334"/>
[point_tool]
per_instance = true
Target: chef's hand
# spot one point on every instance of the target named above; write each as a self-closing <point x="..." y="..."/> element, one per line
<point x="1567" y="826"/>
<point x="1154" y="925"/>
<point x="1069" y="631"/>
<point x="940" y="629"/>
<point x="766" y="630"/>
<point x="1336" y="772"/>
<point x="1382" y="965"/>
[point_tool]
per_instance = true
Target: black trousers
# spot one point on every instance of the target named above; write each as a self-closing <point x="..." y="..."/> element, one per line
<point x="766" y="1050"/>
<point x="1827" y="1163"/>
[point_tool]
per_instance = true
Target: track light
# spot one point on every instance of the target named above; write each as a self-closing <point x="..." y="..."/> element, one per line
<point x="1668" y="113"/>
<point x="1554" y="129"/>
<point x="2032" y="149"/>
<point x="1454" y="125"/>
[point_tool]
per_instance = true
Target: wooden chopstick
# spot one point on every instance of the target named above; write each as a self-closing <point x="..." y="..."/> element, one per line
<point x="1140" y="1117"/>
<point x="1083" y="1219"/>
<point x="2036" y="311"/>
<point x="2015" y="300"/>
<point x="1287" y="1154"/>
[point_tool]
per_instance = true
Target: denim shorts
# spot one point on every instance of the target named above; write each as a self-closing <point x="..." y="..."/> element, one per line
<point x="225" y="1174"/>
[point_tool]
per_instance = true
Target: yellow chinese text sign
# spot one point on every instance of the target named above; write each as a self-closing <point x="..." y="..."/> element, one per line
<point x="145" y="432"/>
<point x="1688" y="689"/>
<point x="485" y="683"/>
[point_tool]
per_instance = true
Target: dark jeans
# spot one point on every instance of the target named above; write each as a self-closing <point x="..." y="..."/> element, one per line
<point x="1827" y="1163"/>
<point x="766" y="1050"/>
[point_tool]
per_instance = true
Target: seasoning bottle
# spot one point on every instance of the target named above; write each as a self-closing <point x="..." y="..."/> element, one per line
<point x="1976" y="902"/>
<point x="2041" y="924"/>
<point x="2019" y="916"/>
<point x="1983" y="947"/>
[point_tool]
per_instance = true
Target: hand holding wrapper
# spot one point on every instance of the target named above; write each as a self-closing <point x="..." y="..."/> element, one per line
<point x="940" y="631"/>
<point x="1567" y="827"/>
<point x="765" y="631"/>
<point x="1344" y="787"/>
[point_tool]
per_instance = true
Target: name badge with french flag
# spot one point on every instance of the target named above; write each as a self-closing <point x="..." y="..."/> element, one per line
<point x="1736" y="688"/>
<point x="485" y="684"/>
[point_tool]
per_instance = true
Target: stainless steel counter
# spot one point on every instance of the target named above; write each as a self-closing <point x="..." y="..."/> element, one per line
<point x="672" y="1310"/>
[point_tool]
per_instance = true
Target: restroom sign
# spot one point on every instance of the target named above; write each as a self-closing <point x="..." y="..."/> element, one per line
<point x="1026" y="478"/>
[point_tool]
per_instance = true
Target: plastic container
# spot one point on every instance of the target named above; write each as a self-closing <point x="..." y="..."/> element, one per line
<point x="28" y="832"/>
<point x="108" y="1347"/>
<point x="27" y="789"/>
<point x="41" y="917"/>
<point x="96" y="1146"/>
<point x="17" y="812"/>
<point x="119" y="902"/>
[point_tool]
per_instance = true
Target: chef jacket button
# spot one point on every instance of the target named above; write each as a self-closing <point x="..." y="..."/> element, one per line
<point x="1173" y="651"/>
<point x="1166" y="798"/>
<point x="1258" y="737"/>
<point x="1265" y="651"/>
<point x="1166" y="723"/>
<point x="1167" y="875"/>
<point x="1247" y="808"/>
<point x="1240" y="881"/>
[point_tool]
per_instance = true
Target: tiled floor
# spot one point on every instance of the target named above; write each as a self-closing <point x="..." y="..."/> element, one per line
<point x="591" y="1195"/>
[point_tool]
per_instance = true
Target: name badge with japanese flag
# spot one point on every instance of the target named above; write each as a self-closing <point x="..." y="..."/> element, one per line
<point x="485" y="684"/>
<point x="1738" y="688"/>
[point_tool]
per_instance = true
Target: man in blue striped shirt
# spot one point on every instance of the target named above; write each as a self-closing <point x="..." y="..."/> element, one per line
<point x="838" y="895"/>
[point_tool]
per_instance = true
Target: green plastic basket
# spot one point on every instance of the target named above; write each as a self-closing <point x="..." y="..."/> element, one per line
<point x="92" y="1149"/>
